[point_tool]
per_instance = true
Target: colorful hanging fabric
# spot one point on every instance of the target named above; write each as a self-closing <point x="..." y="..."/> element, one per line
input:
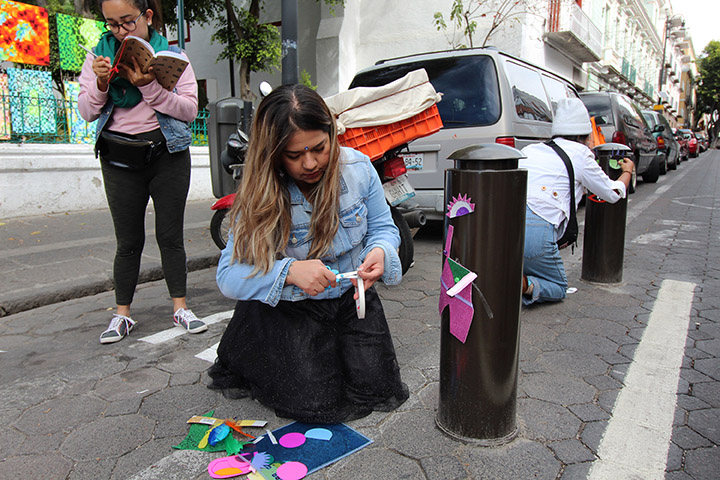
<point x="24" y="33"/>
<point x="32" y="103"/>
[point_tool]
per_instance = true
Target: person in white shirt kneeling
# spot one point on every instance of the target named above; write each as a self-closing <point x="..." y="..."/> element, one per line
<point x="548" y="198"/>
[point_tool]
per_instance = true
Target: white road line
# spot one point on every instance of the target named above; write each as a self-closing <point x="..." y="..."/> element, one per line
<point x="173" y="332"/>
<point x="209" y="354"/>
<point x="637" y="439"/>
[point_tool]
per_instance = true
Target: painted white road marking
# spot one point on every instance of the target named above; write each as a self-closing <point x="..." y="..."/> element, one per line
<point x="209" y="354"/>
<point x="637" y="438"/>
<point x="174" y="332"/>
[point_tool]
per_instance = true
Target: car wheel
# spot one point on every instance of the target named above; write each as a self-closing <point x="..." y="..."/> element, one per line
<point x="653" y="172"/>
<point x="219" y="227"/>
<point x="663" y="165"/>
<point x="674" y="165"/>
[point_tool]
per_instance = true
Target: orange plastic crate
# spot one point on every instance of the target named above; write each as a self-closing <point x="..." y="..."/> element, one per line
<point x="375" y="141"/>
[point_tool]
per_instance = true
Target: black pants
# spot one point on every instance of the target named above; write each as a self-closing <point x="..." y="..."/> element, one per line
<point x="166" y="181"/>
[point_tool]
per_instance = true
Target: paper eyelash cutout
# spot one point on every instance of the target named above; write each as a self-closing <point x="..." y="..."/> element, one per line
<point x="459" y="206"/>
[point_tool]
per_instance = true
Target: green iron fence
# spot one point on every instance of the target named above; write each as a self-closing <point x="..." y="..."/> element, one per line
<point x="25" y="119"/>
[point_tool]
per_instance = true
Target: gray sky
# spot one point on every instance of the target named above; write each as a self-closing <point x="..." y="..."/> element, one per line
<point x="703" y="18"/>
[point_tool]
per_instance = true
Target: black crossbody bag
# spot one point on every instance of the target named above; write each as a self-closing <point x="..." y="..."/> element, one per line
<point x="125" y="151"/>
<point x="571" y="232"/>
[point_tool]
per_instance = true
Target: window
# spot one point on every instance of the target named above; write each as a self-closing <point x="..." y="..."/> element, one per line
<point x="599" y="107"/>
<point x="557" y="90"/>
<point x="528" y="93"/>
<point x="471" y="95"/>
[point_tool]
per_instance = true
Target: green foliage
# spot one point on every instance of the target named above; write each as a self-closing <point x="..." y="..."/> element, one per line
<point x="709" y="83"/>
<point x="260" y="45"/>
<point x="306" y="80"/>
<point x="462" y="18"/>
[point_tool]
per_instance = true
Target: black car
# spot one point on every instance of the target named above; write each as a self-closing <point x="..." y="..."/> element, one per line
<point x="667" y="144"/>
<point x="621" y="121"/>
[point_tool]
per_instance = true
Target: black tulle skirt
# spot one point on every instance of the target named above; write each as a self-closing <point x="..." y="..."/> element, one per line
<point x="313" y="360"/>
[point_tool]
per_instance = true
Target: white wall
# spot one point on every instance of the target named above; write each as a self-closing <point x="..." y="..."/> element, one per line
<point x="37" y="179"/>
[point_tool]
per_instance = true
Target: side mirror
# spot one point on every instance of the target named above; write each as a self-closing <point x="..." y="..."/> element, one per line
<point x="265" y="89"/>
<point x="659" y="129"/>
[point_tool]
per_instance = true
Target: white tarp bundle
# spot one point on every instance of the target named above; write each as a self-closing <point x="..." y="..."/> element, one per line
<point x="372" y="106"/>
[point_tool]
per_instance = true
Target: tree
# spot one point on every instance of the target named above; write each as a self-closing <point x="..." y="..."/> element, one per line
<point x="465" y="18"/>
<point x="708" y="92"/>
<point x="255" y="46"/>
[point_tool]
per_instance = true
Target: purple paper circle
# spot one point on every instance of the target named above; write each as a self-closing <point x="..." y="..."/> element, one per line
<point x="292" y="470"/>
<point x="292" y="440"/>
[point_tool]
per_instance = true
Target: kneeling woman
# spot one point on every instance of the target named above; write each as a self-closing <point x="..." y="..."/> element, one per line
<point x="306" y="205"/>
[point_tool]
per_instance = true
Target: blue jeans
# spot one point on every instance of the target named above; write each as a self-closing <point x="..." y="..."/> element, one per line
<point x="542" y="266"/>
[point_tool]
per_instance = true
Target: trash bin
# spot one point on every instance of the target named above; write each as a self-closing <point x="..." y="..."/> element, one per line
<point x="225" y="116"/>
<point x="478" y="377"/>
<point x="604" y="235"/>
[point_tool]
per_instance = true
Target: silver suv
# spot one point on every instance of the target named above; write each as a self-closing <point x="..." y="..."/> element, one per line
<point x="488" y="96"/>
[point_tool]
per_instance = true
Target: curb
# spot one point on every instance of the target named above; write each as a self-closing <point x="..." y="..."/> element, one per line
<point x="150" y="274"/>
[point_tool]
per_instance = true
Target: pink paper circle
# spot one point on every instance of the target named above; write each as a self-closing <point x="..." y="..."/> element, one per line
<point x="292" y="440"/>
<point x="292" y="471"/>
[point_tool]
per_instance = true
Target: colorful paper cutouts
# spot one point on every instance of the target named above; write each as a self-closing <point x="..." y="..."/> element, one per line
<point x="24" y="33"/>
<point x="198" y="431"/>
<point x="460" y="206"/>
<point x="314" y="454"/>
<point x="73" y="32"/>
<point x="80" y="130"/>
<point x="460" y="305"/>
<point x="228" y="467"/>
<point x="319" y="434"/>
<point x="292" y="471"/>
<point x="5" y="126"/>
<point x="218" y="433"/>
<point x="292" y="440"/>
<point x="32" y="102"/>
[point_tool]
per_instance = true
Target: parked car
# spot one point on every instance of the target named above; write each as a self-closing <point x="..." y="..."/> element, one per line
<point x="683" y="143"/>
<point x="621" y="121"/>
<point x="488" y="96"/>
<point x="693" y="148"/>
<point x="667" y="145"/>
<point x="702" y="141"/>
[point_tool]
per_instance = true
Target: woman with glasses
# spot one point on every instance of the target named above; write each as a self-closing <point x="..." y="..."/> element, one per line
<point x="143" y="137"/>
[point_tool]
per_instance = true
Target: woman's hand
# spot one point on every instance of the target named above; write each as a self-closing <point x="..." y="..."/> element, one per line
<point x="101" y="67"/>
<point x="627" y="165"/>
<point x="135" y="74"/>
<point x="311" y="276"/>
<point x="372" y="268"/>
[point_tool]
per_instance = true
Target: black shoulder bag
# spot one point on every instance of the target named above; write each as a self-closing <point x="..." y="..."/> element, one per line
<point x="571" y="232"/>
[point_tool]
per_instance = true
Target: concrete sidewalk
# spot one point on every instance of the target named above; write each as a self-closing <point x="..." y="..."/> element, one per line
<point x="50" y="258"/>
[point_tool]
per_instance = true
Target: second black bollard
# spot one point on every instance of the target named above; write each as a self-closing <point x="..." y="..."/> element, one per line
<point x="604" y="235"/>
<point x="478" y="378"/>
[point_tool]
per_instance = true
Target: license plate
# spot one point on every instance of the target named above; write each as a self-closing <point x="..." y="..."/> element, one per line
<point x="398" y="190"/>
<point x="413" y="161"/>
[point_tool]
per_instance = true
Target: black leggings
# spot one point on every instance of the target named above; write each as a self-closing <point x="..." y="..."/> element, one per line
<point x="167" y="181"/>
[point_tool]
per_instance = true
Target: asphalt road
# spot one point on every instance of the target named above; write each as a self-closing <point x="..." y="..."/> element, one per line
<point x="617" y="381"/>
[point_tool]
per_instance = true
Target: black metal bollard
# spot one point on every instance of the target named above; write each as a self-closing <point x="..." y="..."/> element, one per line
<point x="604" y="237"/>
<point x="478" y="378"/>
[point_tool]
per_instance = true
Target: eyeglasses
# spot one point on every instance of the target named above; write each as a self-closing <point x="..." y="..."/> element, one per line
<point x="130" y="26"/>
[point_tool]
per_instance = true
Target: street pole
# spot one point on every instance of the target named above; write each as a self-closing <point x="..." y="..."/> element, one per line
<point x="181" y="23"/>
<point x="289" y="18"/>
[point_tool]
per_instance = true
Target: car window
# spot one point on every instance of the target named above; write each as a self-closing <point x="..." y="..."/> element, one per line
<point x="626" y="112"/>
<point x="557" y="90"/>
<point x="469" y="85"/>
<point x="651" y="119"/>
<point x="599" y="107"/>
<point x="528" y="93"/>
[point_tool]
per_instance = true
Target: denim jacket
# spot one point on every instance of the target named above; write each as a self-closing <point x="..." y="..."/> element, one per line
<point x="365" y="223"/>
<point x="177" y="133"/>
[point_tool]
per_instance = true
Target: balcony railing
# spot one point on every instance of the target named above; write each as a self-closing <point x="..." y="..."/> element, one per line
<point x="572" y="32"/>
<point x="28" y="119"/>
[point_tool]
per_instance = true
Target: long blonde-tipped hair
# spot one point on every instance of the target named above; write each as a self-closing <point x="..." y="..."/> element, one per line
<point x="260" y="219"/>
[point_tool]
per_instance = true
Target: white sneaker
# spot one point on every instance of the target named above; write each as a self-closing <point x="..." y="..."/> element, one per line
<point x="120" y="325"/>
<point x="186" y="319"/>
